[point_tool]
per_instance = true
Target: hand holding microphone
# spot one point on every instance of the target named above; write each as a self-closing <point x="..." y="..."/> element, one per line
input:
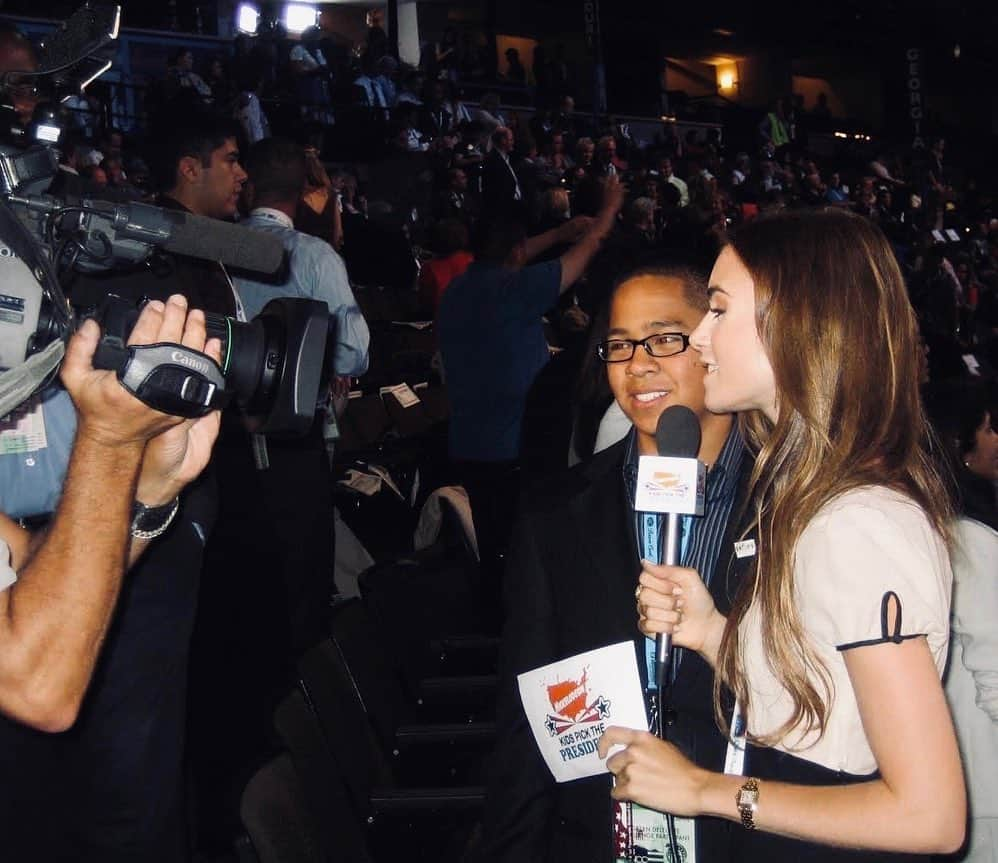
<point x="673" y="601"/>
<point x="670" y="484"/>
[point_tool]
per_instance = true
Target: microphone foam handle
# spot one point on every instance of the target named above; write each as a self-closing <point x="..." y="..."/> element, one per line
<point x="234" y="245"/>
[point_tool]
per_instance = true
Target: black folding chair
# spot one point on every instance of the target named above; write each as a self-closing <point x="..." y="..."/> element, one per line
<point x="353" y="686"/>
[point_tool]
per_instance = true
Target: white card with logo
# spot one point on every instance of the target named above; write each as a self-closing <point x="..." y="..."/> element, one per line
<point x="569" y="704"/>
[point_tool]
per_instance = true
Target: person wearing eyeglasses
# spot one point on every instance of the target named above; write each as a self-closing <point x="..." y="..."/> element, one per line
<point x="573" y="567"/>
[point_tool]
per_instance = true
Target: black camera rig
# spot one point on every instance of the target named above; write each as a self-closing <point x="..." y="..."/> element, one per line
<point x="273" y="367"/>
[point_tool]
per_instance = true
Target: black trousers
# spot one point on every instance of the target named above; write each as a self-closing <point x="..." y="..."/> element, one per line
<point x="264" y="600"/>
<point x="111" y="787"/>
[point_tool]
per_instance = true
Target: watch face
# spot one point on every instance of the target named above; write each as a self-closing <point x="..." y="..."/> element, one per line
<point x="748" y="796"/>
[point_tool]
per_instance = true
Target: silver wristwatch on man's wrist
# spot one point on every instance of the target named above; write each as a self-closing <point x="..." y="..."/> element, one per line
<point x="148" y="522"/>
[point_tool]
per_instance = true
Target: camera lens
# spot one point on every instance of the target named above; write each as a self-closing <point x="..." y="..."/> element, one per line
<point x="248" y="376"/>
<point x="275" y="366"/>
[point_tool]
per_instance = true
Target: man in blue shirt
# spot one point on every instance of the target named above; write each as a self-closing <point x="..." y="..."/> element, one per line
<point x="492" y="343"/>
<point x="298" y="504"/>
<point x="317" y="272"/>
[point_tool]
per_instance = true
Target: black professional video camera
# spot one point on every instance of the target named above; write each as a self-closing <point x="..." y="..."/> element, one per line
<point x="274" y="367"/>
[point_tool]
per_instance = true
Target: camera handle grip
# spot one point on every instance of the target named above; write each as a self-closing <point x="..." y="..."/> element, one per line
<point x="167" y="377"/>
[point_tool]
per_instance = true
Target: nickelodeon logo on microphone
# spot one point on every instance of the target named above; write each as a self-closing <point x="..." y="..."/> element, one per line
<point x="668" y="484"/>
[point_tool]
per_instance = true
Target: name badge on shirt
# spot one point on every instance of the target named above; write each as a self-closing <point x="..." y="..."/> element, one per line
<point x="642" y="836"/>
<point x="745" y="548"/>
<point x="23" y="430"/>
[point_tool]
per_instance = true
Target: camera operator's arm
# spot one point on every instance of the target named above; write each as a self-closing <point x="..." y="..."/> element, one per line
<point x="54" y="618"/>
<point x="19" y="541"/>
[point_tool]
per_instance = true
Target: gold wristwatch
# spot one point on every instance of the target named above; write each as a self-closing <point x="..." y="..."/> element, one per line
<point x="747" y="801"/>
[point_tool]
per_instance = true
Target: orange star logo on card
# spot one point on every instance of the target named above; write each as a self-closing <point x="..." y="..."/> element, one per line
<point x="572" y="704"/>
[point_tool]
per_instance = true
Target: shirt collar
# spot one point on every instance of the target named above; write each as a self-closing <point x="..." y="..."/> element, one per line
<point x="272" y="215"/>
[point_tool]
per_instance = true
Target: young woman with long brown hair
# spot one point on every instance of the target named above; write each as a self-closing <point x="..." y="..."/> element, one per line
<point x="839" y="628"/>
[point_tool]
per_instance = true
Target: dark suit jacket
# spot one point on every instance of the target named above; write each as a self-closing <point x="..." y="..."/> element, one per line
<point x="433" y="123"/>
<point x="570" y="580"/>
<point x="498" y="188"/>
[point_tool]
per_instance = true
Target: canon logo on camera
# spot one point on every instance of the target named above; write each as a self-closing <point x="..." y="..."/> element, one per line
<point x="191" y="362"/>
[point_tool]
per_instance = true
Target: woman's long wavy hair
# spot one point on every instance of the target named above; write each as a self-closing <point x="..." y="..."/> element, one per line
<point x="834" y="318"/>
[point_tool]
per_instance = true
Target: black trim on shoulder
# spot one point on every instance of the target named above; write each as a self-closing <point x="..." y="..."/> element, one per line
<point x="885" y="635"/>
<point x="892" y="639"/>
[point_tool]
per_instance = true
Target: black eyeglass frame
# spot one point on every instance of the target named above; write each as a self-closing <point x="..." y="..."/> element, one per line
<point x="601" y="348"/>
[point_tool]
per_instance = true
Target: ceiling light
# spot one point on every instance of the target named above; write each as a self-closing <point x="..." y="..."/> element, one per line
<point x="299" y="17"/>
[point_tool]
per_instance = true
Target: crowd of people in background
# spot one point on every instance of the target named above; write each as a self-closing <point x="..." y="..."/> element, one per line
<point x="432" y="156"/>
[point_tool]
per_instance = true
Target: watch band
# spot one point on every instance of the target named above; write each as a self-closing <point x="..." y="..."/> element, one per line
<point x="148" y="522"/>
<point x="747" y="800"/>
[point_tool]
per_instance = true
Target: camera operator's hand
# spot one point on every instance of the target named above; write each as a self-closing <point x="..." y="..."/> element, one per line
<point x="177" y="456"/>
<point x="108" y="413"/>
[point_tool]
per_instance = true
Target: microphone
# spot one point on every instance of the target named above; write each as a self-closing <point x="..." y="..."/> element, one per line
<point x="113" y="232"/>
<point x="671" y="483"/>
<point x="195" y="236"/>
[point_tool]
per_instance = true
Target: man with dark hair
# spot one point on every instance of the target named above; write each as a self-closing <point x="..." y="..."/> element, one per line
<point x="198" y="167"/>
<point x="492" y="343"/>
<point x="499" y="239"/>
<point x="197" y="170"/>
<point x="271" y="555"/>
